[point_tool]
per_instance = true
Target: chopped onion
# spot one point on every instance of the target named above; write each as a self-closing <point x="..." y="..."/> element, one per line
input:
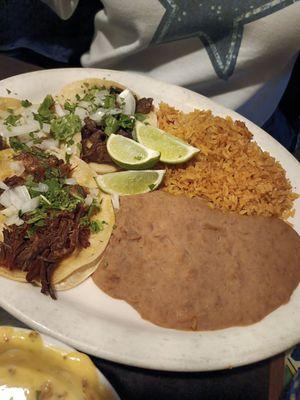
<point x="81" y="112"/>
<point x="127" y="101"/>
<point x="41" y="187"/>
<point x="17" y="167"/>
<point x="9" y="211"/>
<point x="115" y="199"/>
<point x="59" y="110"/>
<point x="102" y="94"/>
<point x="48" y="144"/>
<point x="20" y="129"/>
<point x="15" y="197"/>
<point x="70" y="181"/>
<point x="84" y="104"/>
<point x="98" y="115"/>
<point x="12" y="216"/>
<point x="88" y="200"/>
<point x="69" y="150"/>
<point x="14" y="220"/>
<point x="46" y="128"/>
<point x="3" y="186"/>
<point x="30" y="205"/>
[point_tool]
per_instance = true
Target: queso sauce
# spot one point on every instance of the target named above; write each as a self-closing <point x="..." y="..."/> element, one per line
<point x="31" y="371"/>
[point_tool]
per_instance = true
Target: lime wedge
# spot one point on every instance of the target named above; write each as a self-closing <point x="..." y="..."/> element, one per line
<point x="130" y="182"/>
<point x="172" y="150"/>
<point x="129" y="154"/>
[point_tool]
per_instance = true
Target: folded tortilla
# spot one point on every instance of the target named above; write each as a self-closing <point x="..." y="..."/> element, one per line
<point x="82" y="262"/>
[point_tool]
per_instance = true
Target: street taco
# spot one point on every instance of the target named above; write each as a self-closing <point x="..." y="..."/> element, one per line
<point x="54" y="221"/>
<point x="104" y="107"/>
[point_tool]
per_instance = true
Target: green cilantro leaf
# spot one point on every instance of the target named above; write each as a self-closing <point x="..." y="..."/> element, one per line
<point x="64" y="128"/>
<point x="26" y="103"/>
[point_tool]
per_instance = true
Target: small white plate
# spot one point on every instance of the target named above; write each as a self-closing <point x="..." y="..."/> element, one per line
<point x="50" y="342"/>
<point x="93" y="322"/>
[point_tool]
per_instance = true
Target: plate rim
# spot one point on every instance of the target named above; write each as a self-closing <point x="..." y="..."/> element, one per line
<point x="167" y="365"/>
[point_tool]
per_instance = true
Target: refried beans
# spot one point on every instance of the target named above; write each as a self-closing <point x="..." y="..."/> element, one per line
<point x="185" y="266"/>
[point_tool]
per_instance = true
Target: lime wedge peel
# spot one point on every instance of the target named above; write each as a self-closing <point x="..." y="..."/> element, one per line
<point x="172" y="150"/>
<point x="129" y="154"/>
<point x="130" y="182"/>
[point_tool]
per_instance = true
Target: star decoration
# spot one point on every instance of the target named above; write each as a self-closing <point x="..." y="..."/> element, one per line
<point x="218" y="23"/>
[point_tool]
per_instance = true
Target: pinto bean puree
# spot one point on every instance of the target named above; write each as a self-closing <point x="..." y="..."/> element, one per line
<point x="185" y="266"/>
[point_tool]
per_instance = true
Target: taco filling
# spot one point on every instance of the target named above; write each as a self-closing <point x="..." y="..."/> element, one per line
<point x="48" y="215"/>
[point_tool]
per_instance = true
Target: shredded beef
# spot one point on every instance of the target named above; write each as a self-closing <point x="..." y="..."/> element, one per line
<point x="41" y="253"/>
<point x="88" y="128"/>
<point x="144" y="105"/>
<point x="14" y="181"/>
<point x="94" y="152"/>
<point x="34" y="166"/>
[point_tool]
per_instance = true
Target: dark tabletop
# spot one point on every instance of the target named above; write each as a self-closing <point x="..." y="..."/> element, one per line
<point x="260" y="381"/>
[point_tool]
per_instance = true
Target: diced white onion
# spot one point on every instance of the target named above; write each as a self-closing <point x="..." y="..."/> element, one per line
<point x="102" y="94"/>
<point x="59" y="110"/>
<point x="15" y="197"/>
<point x="127" y="102"/>
<point x="20" y="129"/>
<point x="30" y="205"/>
<point x="84" y="104"/>
<point x="70" y="181"/>
<point x="3" y="186"/>
<point x="41" y="187"/>
<point x="81" y="112"/>
<point x="115" y="199"/>
<point x="9" y="211"/>
<point x="12" y="216"/>
<point x="48" y="144"/>
<point x="17" y="167"/>
<point x="88" y="200"/>
<point x="69" y="150"/>
<point x="46" y="128"/>
<point x="14" y="220"/>
<point x="98" y="115"/>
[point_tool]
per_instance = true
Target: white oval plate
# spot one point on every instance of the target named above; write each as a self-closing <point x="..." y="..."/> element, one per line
<point x="50" y="342"/>
<point x="92" y="322"/>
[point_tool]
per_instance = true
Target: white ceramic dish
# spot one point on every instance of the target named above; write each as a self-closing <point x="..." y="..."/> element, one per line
<point x="92" y="322"/>
<point x="50" y="342"/>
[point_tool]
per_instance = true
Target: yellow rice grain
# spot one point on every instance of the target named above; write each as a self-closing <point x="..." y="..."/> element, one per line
<point x="231" y="172"/>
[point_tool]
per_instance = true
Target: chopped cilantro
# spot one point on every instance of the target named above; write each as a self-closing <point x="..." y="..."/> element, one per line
<point x="140" y="117"/>
<point x="35" y="139"/>
<point x="64" y="128"/>
<point x="111" y="125"/>
<point x="37" y="395"/>
<point x="12" y="119"/>
<point x="97" y="226"/>
<point x="70" y="107"/>
<point x="79" y="146"/>
<point x="8" y="91"/>
<point x="109" y="101"/>
<point x="152" y="186"/>
<point x="17" y="145"/>
<point x="126" y="122"/>
<point x="94" y="208"/>
<point x="26" y="103"/>
<point x="45" y="109"/>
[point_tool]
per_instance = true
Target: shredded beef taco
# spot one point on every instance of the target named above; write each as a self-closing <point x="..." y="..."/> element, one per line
<point x="54" y="222"/>
<point x="104" y="107"/>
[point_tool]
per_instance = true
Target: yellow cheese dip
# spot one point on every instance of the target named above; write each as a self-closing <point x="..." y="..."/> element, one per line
<point x="29" y="370"/>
